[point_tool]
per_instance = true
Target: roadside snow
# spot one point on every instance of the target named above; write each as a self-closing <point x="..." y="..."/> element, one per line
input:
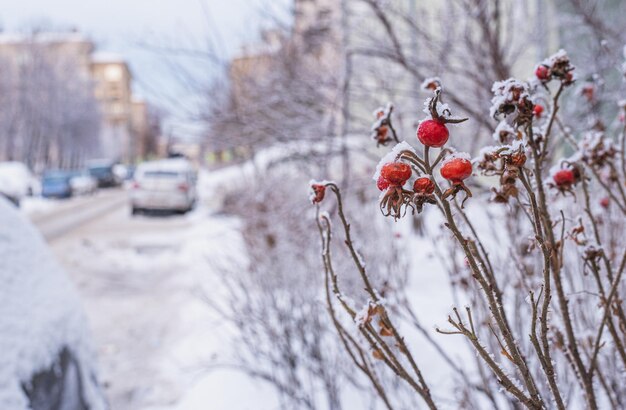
<point x="40" y="312"/>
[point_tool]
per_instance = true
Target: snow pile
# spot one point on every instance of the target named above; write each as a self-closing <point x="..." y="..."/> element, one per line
<point x="40" y="314"/>
<point x="14" y="179"/>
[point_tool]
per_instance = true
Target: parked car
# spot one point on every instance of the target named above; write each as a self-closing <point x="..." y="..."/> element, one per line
<point x="105" y="173"/>
<point x="56" y="184"/>
<point x="168" y="185"/>
<point x="82" y="183"/>
<point x="16" y="181"/>
<point x="45" y="349"/>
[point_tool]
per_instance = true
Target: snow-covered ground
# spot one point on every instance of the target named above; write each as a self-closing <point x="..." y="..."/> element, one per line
<point x="143" y="280"/>
<point x="40" y="314"/>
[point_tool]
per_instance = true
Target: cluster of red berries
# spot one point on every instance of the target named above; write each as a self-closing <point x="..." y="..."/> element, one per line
<point x="432" y="133"/>
<point x="394" y="175"/>
<point x="396" y="200"/>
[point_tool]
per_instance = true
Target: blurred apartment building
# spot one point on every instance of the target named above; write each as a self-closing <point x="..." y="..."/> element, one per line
<point x="313" y="40"/>
<point x="127" y="131"/>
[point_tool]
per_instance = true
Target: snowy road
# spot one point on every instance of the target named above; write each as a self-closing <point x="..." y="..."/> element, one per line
<point x="57" y="218"/>
<point x="141" y="280"/>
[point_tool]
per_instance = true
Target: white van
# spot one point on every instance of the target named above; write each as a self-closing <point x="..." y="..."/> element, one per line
<point x="168" y="185"/>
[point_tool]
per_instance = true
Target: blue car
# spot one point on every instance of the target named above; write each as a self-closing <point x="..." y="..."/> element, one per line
<point x="56" y="184"/>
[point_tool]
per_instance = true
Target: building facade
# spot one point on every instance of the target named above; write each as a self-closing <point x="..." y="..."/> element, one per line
<point x="123" y="127"/>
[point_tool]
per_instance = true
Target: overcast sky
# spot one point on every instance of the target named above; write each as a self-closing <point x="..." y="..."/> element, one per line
<point x="121" y="26"/>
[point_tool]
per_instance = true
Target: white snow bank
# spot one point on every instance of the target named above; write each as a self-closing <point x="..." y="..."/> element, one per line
<point x="40" y="313"/>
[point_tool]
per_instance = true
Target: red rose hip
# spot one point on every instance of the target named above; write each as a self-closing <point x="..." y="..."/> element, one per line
<point x="423" y="186"/>
<point x="564" y="177"/>
<point x="396" y="173"/>
<point x="382" y="183"/>
<point x="542" y="72"/>
<point x="538" y="110"/>
<point x="319" y="191"/>
<point x="605" y="202"/>
<point x="456" y="170"/>
<point x="432" y="133"/>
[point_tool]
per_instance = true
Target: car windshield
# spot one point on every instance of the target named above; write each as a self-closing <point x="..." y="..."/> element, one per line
<point x="55" y="179"/>
<point x="99" y="171"/>
<point x="161" y="174"/>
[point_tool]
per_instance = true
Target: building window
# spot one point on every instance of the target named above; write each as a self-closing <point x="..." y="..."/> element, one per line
<point x="113" y="73"/>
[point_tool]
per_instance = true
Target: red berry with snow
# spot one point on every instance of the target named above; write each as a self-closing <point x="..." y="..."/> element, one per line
<point x="542" y="72"/>
<point x="564" y="178"/>
<point x="423" y="186"/>
<point x="396" y="173"/>
<point x="538" y="110"/>
<point x="604" y="202"/>
<point x="432" y="133"/>
<point x="382" y="183"/>
<point x="588" y="91"/>
<point x="456" y="170"/>
<point x="318" y="193"/>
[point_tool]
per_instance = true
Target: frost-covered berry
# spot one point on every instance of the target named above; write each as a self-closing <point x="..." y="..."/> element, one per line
<point x="542" y="72"/>
<point x="588" y="91"/>
<point x="564" y="178"/>
<point x="423" y="186"/>
<point x="456" y="170"/>
<point x="396" y="173"/>
<point x="382" y="183"/>
<point x="432" y="133"/>
<point x="518" y="158"/>
<point x="538" y="110"/>
<point x="604" y="202"/>
<point x="318" y="193"/>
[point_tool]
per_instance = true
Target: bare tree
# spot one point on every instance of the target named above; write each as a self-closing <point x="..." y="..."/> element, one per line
<point x="52" y="118"/>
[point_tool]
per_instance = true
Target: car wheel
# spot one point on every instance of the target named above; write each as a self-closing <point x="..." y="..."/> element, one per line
<point x="135" y="211"/>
